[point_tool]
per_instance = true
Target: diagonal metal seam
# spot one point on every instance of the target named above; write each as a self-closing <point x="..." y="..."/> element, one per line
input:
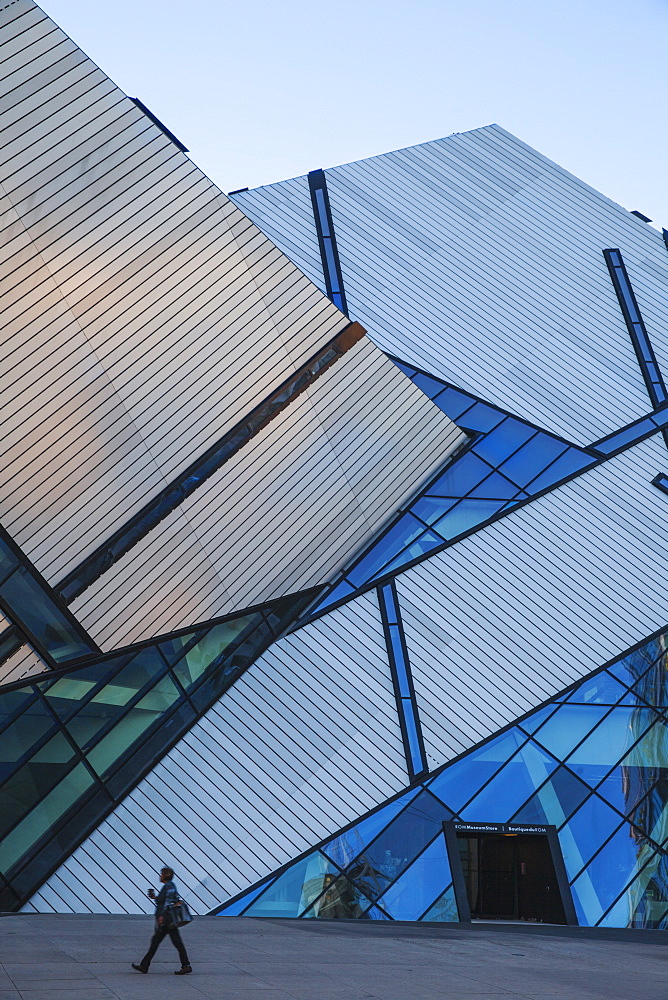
<point x="160" y="506"/>
<point x="635" y="324"/>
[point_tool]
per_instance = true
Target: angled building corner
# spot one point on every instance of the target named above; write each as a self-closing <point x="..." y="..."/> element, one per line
<point x="338" y="623"/>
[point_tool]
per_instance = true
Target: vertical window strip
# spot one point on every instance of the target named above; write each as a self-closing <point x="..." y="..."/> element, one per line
<point x="329" y="254"/>
<point x="402" y="681"/>
<point x="649" y="365"/>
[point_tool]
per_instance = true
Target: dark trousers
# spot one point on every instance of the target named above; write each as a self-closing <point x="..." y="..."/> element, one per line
<point x="160" y="934"/>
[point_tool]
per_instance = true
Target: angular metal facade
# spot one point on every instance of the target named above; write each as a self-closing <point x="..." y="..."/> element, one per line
<point x="302" y="593"/>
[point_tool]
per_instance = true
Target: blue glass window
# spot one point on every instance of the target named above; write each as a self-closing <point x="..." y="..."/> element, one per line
<point x="467" y="514"/>
<point x="620" y="729"/>
<point x="480" y="417"/>
<point x="296" y="889"/>
<point x="568" y="726"/>
<point x="555" y="801"/>
<point x="512" y="786"/>
<point x="346" y="846"/>
<point x="532" y="458"/>
<point x="566" y="465"/>
<point x="500" y="443"/>
<point x="235" y="908"/>
<point x="342" y="899"/>
<point x="606" y="876"/>
<point x="445" y="908"/>
<point x="454" y="403"/>
<point x="602" y="689"/>
<point x="397" y="846"/>
<point x="461" y="477"/>
<point x="461" y="781"/>
<point x="584" y="833"/>
<point x="495" y="487"/>
<point x="421" y="885"/>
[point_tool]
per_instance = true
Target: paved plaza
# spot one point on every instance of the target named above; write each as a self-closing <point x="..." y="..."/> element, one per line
<point x="50" y="957"/>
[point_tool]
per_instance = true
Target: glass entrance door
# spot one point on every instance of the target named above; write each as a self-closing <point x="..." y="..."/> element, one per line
<point x="510" y="877"/>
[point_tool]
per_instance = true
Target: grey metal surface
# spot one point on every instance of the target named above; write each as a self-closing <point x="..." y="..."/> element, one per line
<point x="49" y="957"/>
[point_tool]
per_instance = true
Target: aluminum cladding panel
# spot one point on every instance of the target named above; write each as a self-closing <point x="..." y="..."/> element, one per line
<point x="144" y="314"/>
<point x="287" y="511"/>
<point x="305" y="741"/>
<point x="478" y="259"/>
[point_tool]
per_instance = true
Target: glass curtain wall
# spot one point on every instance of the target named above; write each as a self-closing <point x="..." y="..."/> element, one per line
<point x="593" y="762"/>
<point x="73" y="743"/>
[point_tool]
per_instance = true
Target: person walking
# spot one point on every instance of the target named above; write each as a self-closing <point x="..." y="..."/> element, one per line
<point x="163" y="926"/>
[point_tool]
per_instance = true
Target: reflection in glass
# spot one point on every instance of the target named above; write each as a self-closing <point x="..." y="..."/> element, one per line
<point x="618" y="731"/>
<point x="584" y="833"/>
<point x="421" y="884"/>
<point x="512" y="786"/>
<point x="341" y="899"/>
<point x="294" y="891"/>
<point x="606" y="876"/>
<point x="568" y="726"/>
<point x="601" y="689"/>
<point x="445" y="908"/>
<point x="396" y="847"/>
<point x="456" y="784"/>
<point x="555" y="801"/>
<point x="235" y="908"/>
<point x="345" y="848"/>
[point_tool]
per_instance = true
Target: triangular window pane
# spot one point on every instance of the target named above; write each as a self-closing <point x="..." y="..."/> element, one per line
<point x="481" y="417"/>
<point x="235" y="908"/>
<point x="467" y="514"/>
<point x="602" y="689"/>
<point x="584" y="833"/>
<point x="454" y="403"/>
<point x="495" y="486"/>
<point x="429" y="508"/>
<point x="631" y="668"/>
<point x="462" y="476"/>
<point x="616" y="734"/>
<point x="500" y="443"/>
<point x="607" y="875"/>
<point x="511" y="787"/>
<point x="420" y="885"/>
<point x="532" y="458"/>
<point x="345" y="848"/>
<point x="295" y="889"/>
<point x="537" y="718"/>
<point x="569" y="463"/>
<point x="444" y="909"/>
<point x="568" y="726"/>
<point x="342" y="899"/>
<point x="555" y="801"/>
<point x="462" y="780"/>
<point x="397" y="846"/>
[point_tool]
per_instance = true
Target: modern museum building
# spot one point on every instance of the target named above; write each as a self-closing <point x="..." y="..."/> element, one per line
<point x="334" y="525"/>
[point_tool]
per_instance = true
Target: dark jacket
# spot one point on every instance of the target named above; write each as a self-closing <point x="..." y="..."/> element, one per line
<point x="165" y="898"/>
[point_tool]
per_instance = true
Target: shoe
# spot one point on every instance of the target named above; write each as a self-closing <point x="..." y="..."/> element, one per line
<point x="184" y="970"/>
<point x="139" y="968"/>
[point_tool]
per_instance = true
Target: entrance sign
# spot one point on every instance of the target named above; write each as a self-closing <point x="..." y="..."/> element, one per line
<point x="498" y="828"/>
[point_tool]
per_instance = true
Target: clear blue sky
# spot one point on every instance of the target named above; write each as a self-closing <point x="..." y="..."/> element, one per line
<point x="261" y="90"/>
